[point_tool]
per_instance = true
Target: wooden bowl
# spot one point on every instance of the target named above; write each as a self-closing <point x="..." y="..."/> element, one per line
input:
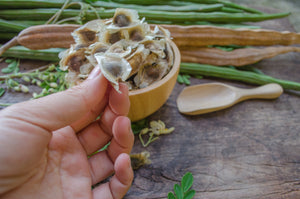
<point x="145" y="101"/>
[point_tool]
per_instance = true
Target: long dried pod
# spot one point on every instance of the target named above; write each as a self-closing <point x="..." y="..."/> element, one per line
<point x="43" y="37"/>
<point x="238" y="57"/>
<point x="47" y="36"/>
<point x="201" y="35"/>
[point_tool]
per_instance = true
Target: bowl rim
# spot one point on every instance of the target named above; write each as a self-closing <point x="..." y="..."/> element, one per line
<point x="171" y="73"/>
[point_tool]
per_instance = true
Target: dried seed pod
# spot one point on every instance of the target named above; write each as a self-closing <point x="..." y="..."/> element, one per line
<point x="47" y="36"/>
<point x="137" y="58"/>
<point x="125" y="17"/>
<point x="156" y="46"/>
<point x="169" y="54"/>
<point x="74" y="59"/>
<point x="95" y="48"/>
<point x="125" y="48"/>
<point x="114" y="68"/>
<point x="238" y="57"/>
<point x="151" y="73"/>
<point x="88" y="33"/>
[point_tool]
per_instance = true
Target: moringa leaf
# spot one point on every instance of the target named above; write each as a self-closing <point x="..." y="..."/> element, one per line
<point x="138" y="126"/>
<point x="190" y="194"/>
<point x="12" y="67"/>
<point x="2" y="91"/>
<point x="187" y="181"/>
<point x="178" y="191"/>
<point x="183" y="191"/>
<point x="171" y="196"/>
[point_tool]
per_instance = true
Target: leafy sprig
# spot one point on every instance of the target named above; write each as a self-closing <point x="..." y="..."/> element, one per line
<point x="50" y="78"/>
<point x="12" y="67"/>
<point x="2" y="91"/>
<point x="184" y="190"/>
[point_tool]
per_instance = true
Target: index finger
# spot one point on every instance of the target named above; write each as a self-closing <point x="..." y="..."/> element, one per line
<point x="61" y="109"/>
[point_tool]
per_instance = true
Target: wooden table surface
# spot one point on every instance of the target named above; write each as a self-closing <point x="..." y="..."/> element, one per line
<point x="251" y="150"/>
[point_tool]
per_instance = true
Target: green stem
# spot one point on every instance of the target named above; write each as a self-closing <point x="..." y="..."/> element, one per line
<point x="227" y="3"/>
<point x="25" y="53"/>
<point x="42" y="14"/>
<point x="6" y="104"/>
<point x="11" y="26"/>
<point x="183" y="8"/>
<point x="231" y="10"/>
<point x="19" y="4"/>
<point x="17" y="75"/>
<point x="30" y="4"/>
<point x="234" y="74"/>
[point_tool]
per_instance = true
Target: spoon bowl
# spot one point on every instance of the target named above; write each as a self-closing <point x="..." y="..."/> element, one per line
<point x="205" y="98"/>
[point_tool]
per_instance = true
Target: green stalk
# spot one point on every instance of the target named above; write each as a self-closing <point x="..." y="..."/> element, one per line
<point x="4" y="4"/>
<point x="185" y="8"/>
<point x="28" y="23"/>
<point x="11" y="26"/>
<point x="6" y="104"/>
<point x="234" y="74"/>
<point x="20" y="4"/>
<point x="175" y="17"/>
<point x="146" y="2"/>
<point x="17" y="75"/>
<point x="211" y="17"/>
<point x="25" y="53"/>
<point x="231" y="10"/>
<point x="226" y="3"/>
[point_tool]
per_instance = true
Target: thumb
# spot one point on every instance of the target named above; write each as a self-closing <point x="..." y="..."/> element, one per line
<point x="61" y="109"/>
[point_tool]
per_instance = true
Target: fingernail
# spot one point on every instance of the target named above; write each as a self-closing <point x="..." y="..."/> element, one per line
<point x="95" y="72"/>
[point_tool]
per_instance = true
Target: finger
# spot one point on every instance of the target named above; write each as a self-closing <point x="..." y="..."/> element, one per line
<point x="101" y="167"/>
<point x="91" y="115"/>
<point x="60" y="109"/>
<point x="93" y="138"/>
<point x="118" y="106"/>
<point x="122" y="141"/>
<point x="120" y="183"/>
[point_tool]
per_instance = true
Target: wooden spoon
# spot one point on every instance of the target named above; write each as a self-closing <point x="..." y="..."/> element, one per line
<point x="205" y="98"/>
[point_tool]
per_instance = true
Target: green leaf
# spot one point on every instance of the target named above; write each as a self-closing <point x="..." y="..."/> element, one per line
<point x="138" y="126"/>
<point x="171" y="195"/>
<point x="178" y="191"/>
<point x="7" y="70"/>
<point x="187" y="181"/>
<point x="2" y="91"/>
<point x="12" y="67"/>
<point x="12" y="83"/>
<point x="9" y="60"/>
<point x="186" y="79"/>
<point x="180" y="79"/>
<point x="190" y="194"/>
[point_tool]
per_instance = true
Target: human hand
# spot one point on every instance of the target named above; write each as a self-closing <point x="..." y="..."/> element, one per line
<point x="45" y="143"/>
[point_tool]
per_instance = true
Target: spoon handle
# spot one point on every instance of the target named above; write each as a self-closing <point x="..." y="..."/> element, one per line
<point x="268" y="91"/>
